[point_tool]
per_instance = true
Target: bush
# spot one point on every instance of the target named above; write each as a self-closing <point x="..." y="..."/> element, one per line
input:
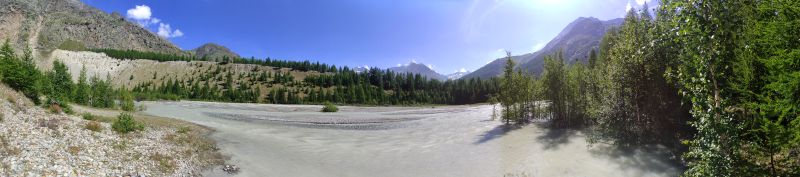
<point x="94" y="126"/>
<point x="329" y="107"/>
<point x="88" y="116"/>
<point x="125" y="123"/>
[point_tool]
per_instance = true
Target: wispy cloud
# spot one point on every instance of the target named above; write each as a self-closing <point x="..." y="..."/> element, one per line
<point x="477" y="13"/>
<point x="164" y="30"/>
<point x="143" y="15"/>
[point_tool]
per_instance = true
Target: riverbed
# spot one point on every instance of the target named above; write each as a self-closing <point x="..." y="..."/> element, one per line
<point x="298" y="140"/>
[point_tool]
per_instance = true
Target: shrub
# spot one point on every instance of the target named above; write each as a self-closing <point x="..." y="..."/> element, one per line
<point x="88" y="116"/>
<point x="184" y="130"/>
<point x="125" y="123"/>
<point x="94" y="126"/>
<point x="329" y="107"/>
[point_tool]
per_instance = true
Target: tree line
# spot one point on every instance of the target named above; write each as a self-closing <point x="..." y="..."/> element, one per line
<point x="375" y="87"/>
<point x="718" y="81"/>
<point x="162" y="57"/>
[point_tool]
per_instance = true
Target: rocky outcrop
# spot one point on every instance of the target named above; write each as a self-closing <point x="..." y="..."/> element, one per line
<point x="44" y="25"/>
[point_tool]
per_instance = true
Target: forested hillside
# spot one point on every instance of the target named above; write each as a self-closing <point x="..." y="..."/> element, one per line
<point x="264" y="81"/>
<point x="718" y="81"/>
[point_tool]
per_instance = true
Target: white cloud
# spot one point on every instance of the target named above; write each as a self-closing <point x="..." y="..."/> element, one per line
<point x="143" y="15"/>
<point x="164" y="30"/>
<point x="154" y="20"/>
<point x="640" y="2"/>
<point x="413" y="61"/>
<point x="140" y="12"/>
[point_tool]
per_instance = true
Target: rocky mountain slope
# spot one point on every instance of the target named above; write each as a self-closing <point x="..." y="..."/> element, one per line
<point x="575" y="41"/>
<point x="418" y="68"/>
<point x="213" y="51"/>
<point x="44" y="25"/>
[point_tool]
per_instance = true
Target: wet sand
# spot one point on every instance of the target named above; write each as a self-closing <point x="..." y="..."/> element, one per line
<point x="298" y="140"/>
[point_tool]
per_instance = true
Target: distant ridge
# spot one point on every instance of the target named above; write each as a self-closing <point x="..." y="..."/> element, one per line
<point x="575" y="40"/>
<point x="213" y="51"/>
<point x="418" y="68"/>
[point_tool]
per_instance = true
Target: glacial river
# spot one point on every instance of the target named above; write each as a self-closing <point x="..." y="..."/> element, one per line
<point x="298" y="140"/>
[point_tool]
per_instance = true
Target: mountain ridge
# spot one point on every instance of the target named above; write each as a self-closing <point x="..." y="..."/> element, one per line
<point x="575" y="41"/>
<point x="213" y="52"/>
<point x="44" y="25"/>
<point x="418" y="68"/>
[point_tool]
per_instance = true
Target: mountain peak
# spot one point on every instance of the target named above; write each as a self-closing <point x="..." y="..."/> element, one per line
<point x="213" y="51"/>
<point x="418" y="68"/>
<point x="575" y="41"/>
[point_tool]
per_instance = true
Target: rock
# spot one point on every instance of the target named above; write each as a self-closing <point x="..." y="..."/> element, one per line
<point x="231" y="169"/>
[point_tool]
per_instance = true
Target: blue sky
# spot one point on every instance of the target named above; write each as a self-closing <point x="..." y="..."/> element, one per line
<point x="448" y="35"/>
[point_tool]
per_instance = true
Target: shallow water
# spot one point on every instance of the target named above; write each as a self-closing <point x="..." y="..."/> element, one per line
<point x="298" y="140"/>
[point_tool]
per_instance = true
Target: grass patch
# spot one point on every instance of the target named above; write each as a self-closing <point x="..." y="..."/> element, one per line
<point x="184" y="130"/>
<point x="94" y="126"/>
<point x="88" y="116"/>
<point x="166" y="164"/>
<point x="330" y="107"/>
<point x="74" y="150"/>
<point x="125" y="124"/>
<point x="121" y="145"/>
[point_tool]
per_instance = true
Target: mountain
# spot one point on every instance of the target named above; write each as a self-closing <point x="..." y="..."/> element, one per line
<point x="457" y="75"/>
<point x="213" y="51"/>
<point x="45" y="25"/>
<point x="575" y="41"/>
<point x="418" y="68"/>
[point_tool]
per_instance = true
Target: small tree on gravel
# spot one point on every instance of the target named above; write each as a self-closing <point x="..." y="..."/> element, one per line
<point x="329" y="107"/>
<point x="125" y="123"/>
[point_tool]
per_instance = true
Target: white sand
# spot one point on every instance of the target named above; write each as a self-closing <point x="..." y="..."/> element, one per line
<point x="297" y="140"/>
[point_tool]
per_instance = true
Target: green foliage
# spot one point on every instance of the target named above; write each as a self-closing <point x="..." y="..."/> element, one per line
<point x="330" y="107"/>
<point x="88" y="116"/>
<point x="101" y="93"/>
<point x="126" y="100"/>
<point x="740" y="74"/>
<point x="19" y="75"/>
<point x="60" y="86"/>
<point x="82" y="89"/>
<point x="629" y="99"/>
<point x="125" y="123"/>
